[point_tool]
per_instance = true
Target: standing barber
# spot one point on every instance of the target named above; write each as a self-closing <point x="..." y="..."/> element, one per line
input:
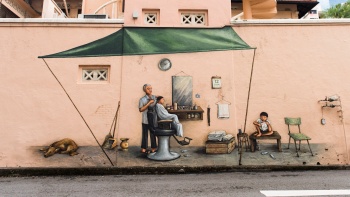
<point x="146" y="103"/>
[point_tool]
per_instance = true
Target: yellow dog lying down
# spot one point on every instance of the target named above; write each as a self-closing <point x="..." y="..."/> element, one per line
<point x="64" y="146"/>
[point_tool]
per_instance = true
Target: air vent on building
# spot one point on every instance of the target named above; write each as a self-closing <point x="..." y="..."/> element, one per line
<point x="93" y="16"/>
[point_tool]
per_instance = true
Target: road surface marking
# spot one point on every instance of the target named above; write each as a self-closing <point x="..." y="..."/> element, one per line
<point x="304" y="192"/>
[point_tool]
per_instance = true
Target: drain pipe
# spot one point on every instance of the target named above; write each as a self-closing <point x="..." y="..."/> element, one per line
<point x="346" y="142"/>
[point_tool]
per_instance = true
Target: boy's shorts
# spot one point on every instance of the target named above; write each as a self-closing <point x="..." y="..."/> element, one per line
<point x="264" y="132"/>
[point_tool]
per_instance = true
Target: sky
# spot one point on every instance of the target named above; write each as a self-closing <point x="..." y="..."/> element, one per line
<point x="325" y="4"/>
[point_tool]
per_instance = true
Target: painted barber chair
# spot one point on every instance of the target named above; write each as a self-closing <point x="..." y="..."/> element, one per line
<point x="163" y="130"/>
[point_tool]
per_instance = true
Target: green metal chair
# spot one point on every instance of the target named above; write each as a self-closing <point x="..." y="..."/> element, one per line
<point x="296" y="136"/>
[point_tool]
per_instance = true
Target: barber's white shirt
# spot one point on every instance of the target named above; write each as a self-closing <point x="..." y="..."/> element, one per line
<point x="142" y="102"/>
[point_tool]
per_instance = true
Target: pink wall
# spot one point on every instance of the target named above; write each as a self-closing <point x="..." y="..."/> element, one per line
<point x="35" y="110"/>
<point x="295" y="66"/>
<point x="219" y="13"/>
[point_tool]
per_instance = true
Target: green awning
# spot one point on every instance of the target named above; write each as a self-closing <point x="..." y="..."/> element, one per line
<point x="150" y="40"/>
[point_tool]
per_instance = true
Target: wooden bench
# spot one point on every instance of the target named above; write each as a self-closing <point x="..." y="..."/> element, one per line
<point x="274" y="136"/>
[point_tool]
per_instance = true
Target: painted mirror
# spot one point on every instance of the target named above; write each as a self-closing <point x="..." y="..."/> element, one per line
<point x="182" y="90"/>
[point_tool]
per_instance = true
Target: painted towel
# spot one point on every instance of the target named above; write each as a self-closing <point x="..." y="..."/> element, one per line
<point x="223" y="111"/>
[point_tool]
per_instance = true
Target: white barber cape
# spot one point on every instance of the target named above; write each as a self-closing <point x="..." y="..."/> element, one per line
<point x="163" y="114"/>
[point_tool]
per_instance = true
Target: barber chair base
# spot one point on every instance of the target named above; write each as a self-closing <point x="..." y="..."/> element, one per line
<point x="163" y="153"/>
<point x="159" y="157"/>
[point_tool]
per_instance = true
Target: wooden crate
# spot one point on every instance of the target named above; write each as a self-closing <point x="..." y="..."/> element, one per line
<point x="215" y="147"/>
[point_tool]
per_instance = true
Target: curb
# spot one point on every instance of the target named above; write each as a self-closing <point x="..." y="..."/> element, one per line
<point x="98" y="171"/>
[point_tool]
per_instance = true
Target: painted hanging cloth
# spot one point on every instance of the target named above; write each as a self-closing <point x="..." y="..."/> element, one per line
<point x="223" y="110"/>
<point x="160" y="40"/>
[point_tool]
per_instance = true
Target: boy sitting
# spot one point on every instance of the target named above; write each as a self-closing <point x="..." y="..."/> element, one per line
<point x="263" y="125"/>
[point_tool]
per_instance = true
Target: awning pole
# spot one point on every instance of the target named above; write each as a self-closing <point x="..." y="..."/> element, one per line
<point x="121" y="75"/>
<point x="250" y="85"/>
<point x="78" y="112"/>
<point x="246" y="111"/>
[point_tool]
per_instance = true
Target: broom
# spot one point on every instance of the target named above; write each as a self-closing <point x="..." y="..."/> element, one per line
<point x="110" y="142"/>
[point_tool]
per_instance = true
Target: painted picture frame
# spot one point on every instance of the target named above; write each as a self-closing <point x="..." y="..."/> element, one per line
<point x="216" y="82"/>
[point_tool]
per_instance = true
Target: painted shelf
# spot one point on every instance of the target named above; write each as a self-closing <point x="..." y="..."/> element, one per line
<point x="190" y="115"/>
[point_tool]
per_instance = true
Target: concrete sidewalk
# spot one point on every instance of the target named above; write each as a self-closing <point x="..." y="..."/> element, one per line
<point x="92" y="161"/>
<point x="196" y="157"/>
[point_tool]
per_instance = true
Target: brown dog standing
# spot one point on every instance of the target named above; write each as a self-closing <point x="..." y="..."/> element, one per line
<point x="65" y="145"/>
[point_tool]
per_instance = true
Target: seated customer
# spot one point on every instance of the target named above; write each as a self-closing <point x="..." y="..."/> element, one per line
<point x="163" y="114"/>
<point x="263" y="125"/>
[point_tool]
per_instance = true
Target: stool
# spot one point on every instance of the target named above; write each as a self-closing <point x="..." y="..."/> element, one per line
<point x="242" y="138"/>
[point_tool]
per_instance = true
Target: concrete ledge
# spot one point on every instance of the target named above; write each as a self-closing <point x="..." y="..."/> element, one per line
<point x="61" y="20"/>
<point x="98" y="171"/>
<point x="288" y="22"/>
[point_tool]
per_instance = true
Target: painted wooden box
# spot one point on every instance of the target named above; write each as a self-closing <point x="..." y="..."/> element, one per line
<point x="216" y="147"/>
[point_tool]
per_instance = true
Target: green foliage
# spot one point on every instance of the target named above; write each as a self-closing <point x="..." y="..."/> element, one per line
<point x="337" y="11"/>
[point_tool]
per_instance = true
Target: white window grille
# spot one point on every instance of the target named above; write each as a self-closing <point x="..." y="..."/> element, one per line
<point x="193" y="18"/>
<point x="199" y="19"/>
<point x="186" y="19"/>
<point x="95" y="74"/>
<point x="151" y="18"/>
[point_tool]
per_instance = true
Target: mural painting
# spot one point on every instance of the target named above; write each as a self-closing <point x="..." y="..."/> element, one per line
<point x="77" y="96"/>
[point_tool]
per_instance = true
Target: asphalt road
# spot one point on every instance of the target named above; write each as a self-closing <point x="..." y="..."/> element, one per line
<point x="218" y="184"/>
